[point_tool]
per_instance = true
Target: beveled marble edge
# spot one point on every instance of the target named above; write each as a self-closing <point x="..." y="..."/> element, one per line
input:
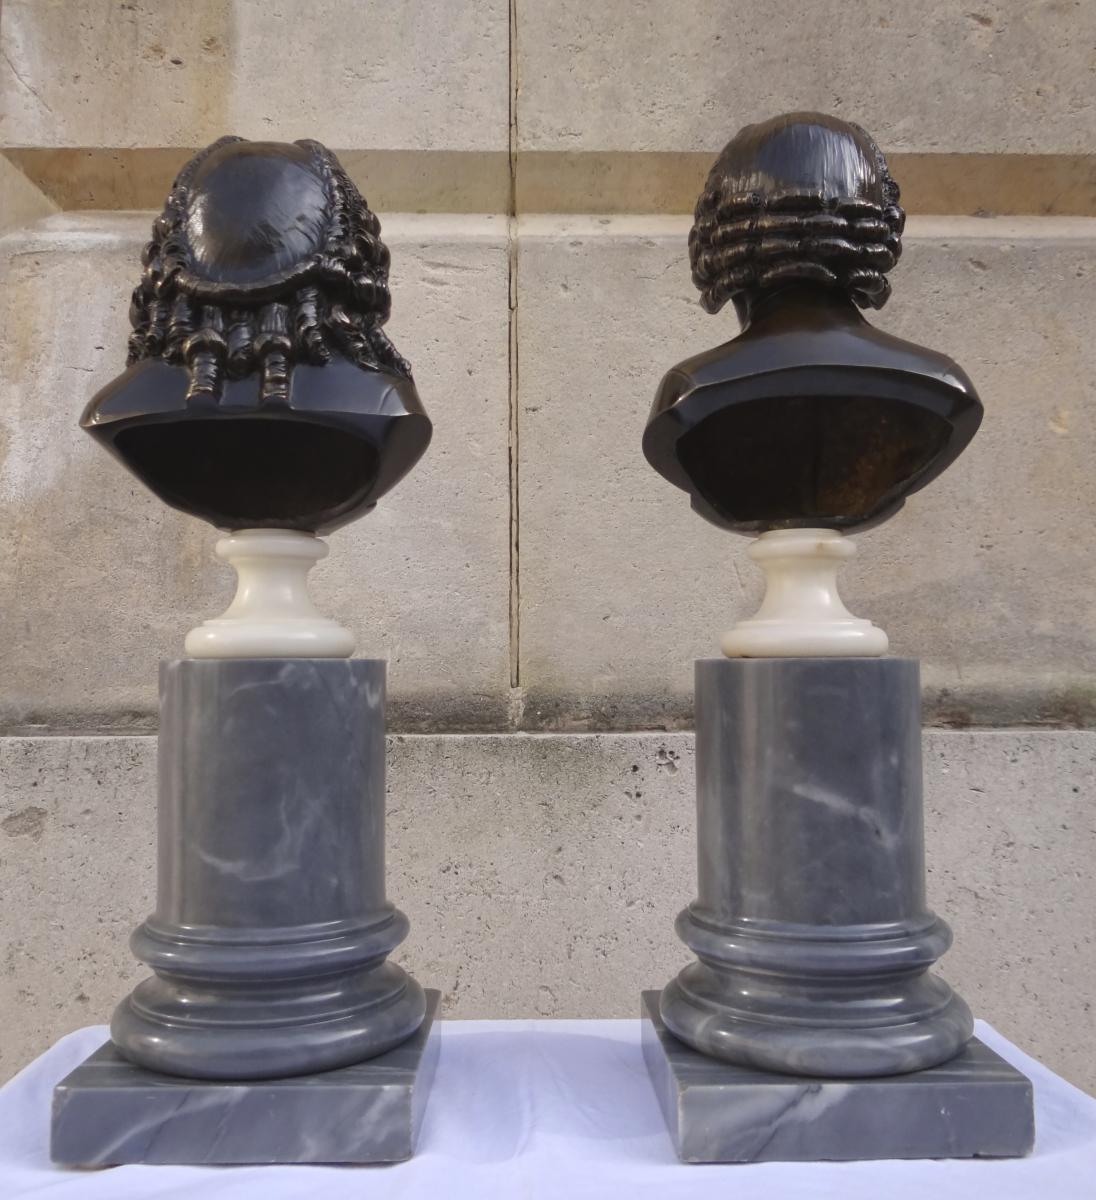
<point x="108" y="1069"/>
<point x="370" y="1112"/>
<point x="982" y="1107"/>
<point x="694" y="1068"/>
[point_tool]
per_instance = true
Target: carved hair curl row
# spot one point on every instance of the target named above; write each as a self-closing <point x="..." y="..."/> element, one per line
<point x="742" y="241"/>
<point x="338" y="301"/>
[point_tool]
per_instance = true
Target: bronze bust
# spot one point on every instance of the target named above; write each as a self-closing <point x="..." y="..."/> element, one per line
<point x="261" y="389"/>
<point x="810" y="417"/>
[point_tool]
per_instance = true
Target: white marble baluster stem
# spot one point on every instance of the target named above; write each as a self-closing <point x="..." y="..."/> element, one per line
<point x="272" y="615"/>
<point x="803" y="615"/>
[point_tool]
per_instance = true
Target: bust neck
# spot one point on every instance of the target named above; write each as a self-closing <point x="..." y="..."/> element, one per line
<point x="794" y="304"/>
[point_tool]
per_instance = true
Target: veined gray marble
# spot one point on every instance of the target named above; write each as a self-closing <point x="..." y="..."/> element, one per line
<point x="975" y="1105"/>
<point x="271" y="927"/>
<point x="108" y="1111"/>
<point x="810" y="924"/>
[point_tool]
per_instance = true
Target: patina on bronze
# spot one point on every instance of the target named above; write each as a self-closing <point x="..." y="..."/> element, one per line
<point x="810" y="417"/>
<point x="261" y="389"/>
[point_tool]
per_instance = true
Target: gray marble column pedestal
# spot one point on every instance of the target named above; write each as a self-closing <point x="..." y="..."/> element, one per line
<point x="812" y="935"/>
<point x="271" y="932"/>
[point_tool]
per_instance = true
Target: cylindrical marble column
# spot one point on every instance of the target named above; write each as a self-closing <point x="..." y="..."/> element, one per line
<point x="271" y="927"/>
<point x="810" y="923"/>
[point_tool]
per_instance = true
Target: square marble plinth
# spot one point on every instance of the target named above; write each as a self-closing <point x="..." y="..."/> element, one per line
<point x="977" y="1105"/>
<point x="108" y="1111"/>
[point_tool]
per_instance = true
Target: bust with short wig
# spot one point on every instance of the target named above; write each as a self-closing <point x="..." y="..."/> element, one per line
<point x="810" y="418"/>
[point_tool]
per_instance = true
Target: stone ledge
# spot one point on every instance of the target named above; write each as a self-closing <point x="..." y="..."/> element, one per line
<point x="560" y="181"/>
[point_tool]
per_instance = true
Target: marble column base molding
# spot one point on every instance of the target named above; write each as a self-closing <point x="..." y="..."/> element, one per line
<point x="813" y="1001"/>
<point x="108" y="1112"/>
<point x="975" y="1105"/>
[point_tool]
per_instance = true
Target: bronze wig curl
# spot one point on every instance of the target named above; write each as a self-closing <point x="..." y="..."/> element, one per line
<point x="763" y="220"/>
<point x="226" y="298"/>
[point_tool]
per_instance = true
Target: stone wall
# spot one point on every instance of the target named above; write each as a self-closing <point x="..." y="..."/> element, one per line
<point x="539" y="592"/>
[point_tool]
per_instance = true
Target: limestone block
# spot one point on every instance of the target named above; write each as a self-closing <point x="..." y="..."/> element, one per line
<point x="20" y="201"/>
<point x="565" y="859"/>
<point x="979" y="576"/>
<point x="352" y="73"/>
<point x="928" y="77"/>
<point x="99" y="580"/>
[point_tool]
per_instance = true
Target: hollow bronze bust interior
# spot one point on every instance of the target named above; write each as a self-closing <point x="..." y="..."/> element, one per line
<point x="261" y="389"/>
<point x="810" y="417"/>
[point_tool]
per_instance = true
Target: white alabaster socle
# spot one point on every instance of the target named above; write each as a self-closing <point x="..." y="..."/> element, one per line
<point x="802" y="614"/>
<point x="272" y="615"/>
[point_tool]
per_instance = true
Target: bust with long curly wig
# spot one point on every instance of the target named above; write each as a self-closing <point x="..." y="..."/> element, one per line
<point x="231" y="288"/>
<point x="261" y="390"/>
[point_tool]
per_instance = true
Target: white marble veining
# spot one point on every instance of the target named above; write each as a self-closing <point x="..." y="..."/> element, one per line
<point x="975" y="1105"/>
<point x="271" y="872"/>
<point x="108" y="1112"/>
<point x="811" y="928"/>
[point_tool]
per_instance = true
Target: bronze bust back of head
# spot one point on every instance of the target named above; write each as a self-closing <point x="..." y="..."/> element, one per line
<point x="261" y="389"/>
<point x="810" y="418"/>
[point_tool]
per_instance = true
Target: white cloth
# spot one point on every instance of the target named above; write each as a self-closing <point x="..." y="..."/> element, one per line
<point x="527" y="1110"/>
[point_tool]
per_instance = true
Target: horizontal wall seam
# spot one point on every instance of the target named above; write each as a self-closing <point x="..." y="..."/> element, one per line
<point x="539" y="736"/>
<point x="107" y="230"/>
